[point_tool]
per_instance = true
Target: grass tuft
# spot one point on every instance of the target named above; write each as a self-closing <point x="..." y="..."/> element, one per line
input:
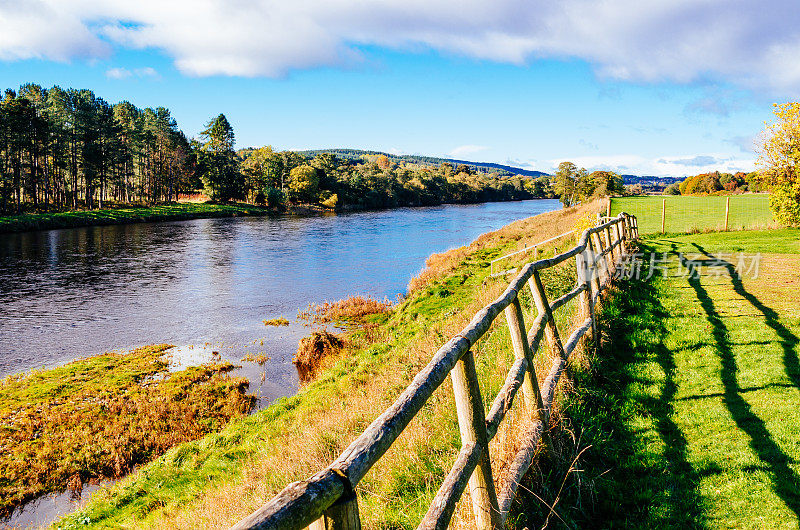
<point x="280" y="321"/>
<point x="348" y="312"/>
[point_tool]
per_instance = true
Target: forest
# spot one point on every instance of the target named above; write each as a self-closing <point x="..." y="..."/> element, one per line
<point x="430" y="161"/>
<point x="68" y="149"/>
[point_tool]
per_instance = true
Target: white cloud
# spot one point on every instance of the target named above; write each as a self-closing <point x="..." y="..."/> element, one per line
<point x="525" y="164"/>
<point x="124" y="73"/>
<point x="746" y="144"/>
<point x="675" y="166"/>
<point x="695" y="161"/>
<point x="466" y="150"/>
<point x="754" y="44"/>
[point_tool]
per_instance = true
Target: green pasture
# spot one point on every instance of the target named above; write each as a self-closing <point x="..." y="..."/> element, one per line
<point x="692" y="214"/>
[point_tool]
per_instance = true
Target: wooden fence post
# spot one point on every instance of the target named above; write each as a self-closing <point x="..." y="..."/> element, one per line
<point x="585" y="273"/>
<point x="608" y="208"/>
<point x="610" y="254"/>
<point x="727" y="211"/>
<point x="606" y="260"/>
<point x="530" y="385"/>
<point x="343" y="515"/>
<point x="663" y="214"/>
<point x="551" y="331"/>
<point x="472" y="424"/>
<point x="597" y="245"/>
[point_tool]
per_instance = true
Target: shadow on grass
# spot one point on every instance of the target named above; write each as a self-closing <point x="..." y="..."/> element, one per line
<point x="633" y="472"/>
<point x="785" y="481"/>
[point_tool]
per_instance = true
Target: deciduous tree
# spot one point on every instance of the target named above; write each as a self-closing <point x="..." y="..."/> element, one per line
<point x="779" y="162"/>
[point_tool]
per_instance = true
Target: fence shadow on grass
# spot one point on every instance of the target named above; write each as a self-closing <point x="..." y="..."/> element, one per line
<point x="789" y="340"/>
<point x="623" y="482"/>
<point x="786" y="483"/>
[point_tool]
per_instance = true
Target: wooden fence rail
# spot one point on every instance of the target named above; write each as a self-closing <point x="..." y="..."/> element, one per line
<point x="327" y="500"/>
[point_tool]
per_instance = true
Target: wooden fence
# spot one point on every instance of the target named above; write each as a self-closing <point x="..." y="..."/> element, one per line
<point x="328" y="501"/>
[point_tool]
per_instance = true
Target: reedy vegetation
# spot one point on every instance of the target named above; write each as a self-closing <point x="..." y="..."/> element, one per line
<point x="101" y="416"/>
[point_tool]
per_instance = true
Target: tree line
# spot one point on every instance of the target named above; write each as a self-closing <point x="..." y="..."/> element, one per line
<point x="372" y="181"/>
<point x="68" y="149"/>
<point x="716" y="183"/>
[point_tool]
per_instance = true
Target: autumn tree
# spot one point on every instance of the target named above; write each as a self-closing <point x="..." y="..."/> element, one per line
<point x="605" y="184"/>
<point x="263" y="170"/>
<point x="304" y="183"/>
<point x="779" y="163"/>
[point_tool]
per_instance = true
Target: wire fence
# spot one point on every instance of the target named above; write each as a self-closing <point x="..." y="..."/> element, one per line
<point x="690" y="213"/>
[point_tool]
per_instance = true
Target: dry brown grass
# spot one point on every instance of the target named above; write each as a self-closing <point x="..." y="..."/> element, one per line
<point x="312" y="350"/>
<point x="348" y="311"/>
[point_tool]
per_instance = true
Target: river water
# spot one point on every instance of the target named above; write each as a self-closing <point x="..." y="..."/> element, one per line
<point x="206" y="285"/>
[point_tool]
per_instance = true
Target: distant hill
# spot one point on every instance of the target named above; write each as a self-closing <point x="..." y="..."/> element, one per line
<point x="483" y="167"/>
<point x="647" y="181"/>
<point x="650" y="180"/>
<point x="650" y="184"/>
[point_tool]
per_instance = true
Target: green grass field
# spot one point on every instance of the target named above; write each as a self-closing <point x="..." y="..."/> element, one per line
<point x="112" y="216"/>
<point x="686" y="214"/>
<point x="690" y="413"/>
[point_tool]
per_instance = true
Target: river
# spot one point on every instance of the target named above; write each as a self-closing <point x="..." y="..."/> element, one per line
<point x="206" y="285"/>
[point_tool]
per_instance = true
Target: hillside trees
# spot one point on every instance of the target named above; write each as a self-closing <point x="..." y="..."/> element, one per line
<point x="779" y="162"/>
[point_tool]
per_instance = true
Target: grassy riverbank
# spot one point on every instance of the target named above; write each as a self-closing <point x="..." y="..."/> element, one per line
<point x="214" y="481"/>
<point x="690" y="414"/>
<point x="113" y="216"/>
<point x="101" y="416"/>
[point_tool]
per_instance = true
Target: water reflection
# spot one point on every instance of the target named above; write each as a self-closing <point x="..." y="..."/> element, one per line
<point x="78" y="292"/>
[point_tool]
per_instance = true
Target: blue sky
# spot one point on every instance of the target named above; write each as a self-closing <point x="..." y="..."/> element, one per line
<point x="669" y="88"/>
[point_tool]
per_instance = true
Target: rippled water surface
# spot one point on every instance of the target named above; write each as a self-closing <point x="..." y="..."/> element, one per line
<point x="206" y="285"/>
